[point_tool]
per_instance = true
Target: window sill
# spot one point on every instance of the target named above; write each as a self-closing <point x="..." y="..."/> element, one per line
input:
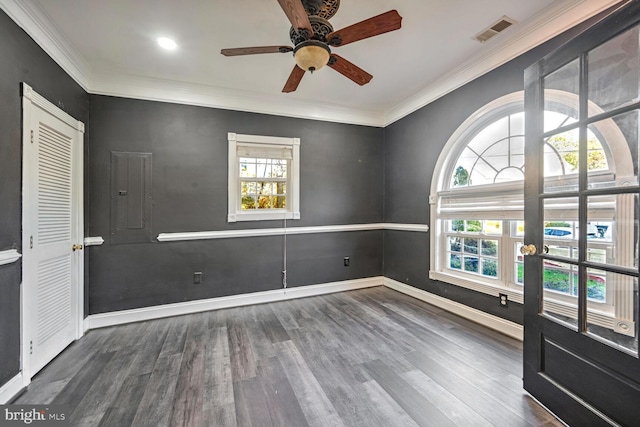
<point x="262" y="216"/>
<point x="597" y="317"/>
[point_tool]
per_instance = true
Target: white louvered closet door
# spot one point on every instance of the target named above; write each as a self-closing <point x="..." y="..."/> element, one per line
<point x="52" y="272"/>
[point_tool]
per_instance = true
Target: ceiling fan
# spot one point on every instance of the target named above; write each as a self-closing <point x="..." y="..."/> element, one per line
<point x="313" y="36"/>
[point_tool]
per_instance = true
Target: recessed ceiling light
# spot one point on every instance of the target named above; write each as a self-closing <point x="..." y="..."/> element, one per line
<point x="167" y="43"/>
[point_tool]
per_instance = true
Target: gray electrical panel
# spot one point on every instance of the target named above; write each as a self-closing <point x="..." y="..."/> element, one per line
<point x="130" y="197"/>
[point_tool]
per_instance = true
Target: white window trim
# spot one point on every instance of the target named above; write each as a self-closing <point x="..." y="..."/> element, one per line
<point x="620" y="316"/>
<point x="293" y="190"/>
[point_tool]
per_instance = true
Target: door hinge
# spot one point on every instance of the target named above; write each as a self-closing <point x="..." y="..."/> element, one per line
<point x="30" y="347"/>
<point x="32" y="136"/>
<point x="31" y="242"/>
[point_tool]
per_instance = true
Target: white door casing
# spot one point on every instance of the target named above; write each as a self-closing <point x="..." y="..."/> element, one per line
<point x="52" y="294"/>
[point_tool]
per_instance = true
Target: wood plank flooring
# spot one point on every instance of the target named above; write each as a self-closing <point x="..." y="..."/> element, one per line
<point x="372" y="357"/>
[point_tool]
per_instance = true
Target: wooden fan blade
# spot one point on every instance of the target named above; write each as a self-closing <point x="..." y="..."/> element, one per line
<point x="297" y="15"/>
<point x="349" y="70"/>
<point x="294" y="80"/>
<point x="377" y="25"/>
<point x="256" y="50"/>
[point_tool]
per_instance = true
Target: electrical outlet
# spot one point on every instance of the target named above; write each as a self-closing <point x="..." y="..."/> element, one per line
<point x="197" y="278"/>
<point x="347" y="261"/>
<point x="504" y="300"/>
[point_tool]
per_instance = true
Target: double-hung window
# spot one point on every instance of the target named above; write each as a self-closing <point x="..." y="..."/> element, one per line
<point x="264" y="175"/>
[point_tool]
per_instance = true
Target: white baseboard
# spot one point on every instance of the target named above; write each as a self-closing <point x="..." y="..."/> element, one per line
<point x="148" y="313"/>
<point x="11" y="388"/>
<point x="156" y="312"/>
<point x="506" y="327"/>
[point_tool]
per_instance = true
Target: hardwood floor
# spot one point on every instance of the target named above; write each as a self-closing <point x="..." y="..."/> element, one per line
<point x="372" y="357"/>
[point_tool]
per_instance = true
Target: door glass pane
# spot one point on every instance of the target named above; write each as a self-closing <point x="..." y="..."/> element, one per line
<point x="619" y="291"/>
<point x="560" y="285"/>
<point x="612" y="229"/>
<point x="519" y="265"/>
<point x="561" y="90"/>
<point x="560" y="220"/>
<point x="613" y="151"/>
<point x="560" y="279"/>
<point x="561" y="161"/>
<point x="614" y="73"/>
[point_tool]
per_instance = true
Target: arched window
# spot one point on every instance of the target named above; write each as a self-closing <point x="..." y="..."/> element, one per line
<point x="477" y="201"/>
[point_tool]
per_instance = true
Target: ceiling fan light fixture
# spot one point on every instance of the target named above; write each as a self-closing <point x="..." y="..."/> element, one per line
<point x="311" y="55"/>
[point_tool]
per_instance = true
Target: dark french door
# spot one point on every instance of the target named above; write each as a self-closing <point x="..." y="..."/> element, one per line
<point x="581" y="215"/>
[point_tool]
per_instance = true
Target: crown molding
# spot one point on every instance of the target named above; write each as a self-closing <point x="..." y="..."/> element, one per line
<point x="527" y="35"/>
<point x="38" y="25"/>
<point x="505" y="47"/>
<point x="152" y="89"/>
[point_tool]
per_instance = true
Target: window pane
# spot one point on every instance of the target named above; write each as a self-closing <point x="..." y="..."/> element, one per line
<point x="510" y="174"/>
<point x="279" y="168"/>
<point x="464" y="164"/>
<point x="266" y="188"/>
<point x="560" y="159"/>
<point x="471" y="264"/>
<point x="492" y="227"/>
<point x="612" y="232"/>
<point x="614" y="72"/>
<point x="264" y="202"/>
<point x="517" y="229"/>
<point x="596" y="285"/>
<point x="455" y="244"/>
<point x="559" y="281"/>
<point x="560" y="216"/>
<point x="457" y="225"/>
<point x="563" y="81"/>
<point x="489" y="247"/>
<point x="555" y="119"/>
<point x="280" y="202"/>
<point x="263" y="169"/>
<point x="455" y="262"/>
<point x="489" y="267"/>
<point x="248" y="187"/>
<point x="497" y="155"/>
<point x="519" y="259"/>
<point x="613" y="147"/>
<point x="471" y="246"/>
<point x="482" y="173"/>
<point x="622" y="289"/>
<point x="495" y="131"/>
<point x="474" y="226"/>
<point x="248" y="202"/>
<point x="558" y="278"/>
<point x="517" y="124"/>
<point x="247" y="169"/>
<point x="519" y="273"/>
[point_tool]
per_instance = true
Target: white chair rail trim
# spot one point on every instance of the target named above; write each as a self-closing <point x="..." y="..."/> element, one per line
<point x="9" y="256"/>
<point x="228" y="234"/>
<point x="93" y="241"/>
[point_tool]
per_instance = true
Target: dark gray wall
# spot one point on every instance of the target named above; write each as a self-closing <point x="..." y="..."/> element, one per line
<point x="341" y="183"/>
<point x="22" y="60"/>
<point x="411" y="149"/>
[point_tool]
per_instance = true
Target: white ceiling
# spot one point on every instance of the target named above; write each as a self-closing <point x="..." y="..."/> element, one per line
<point x="109" y="47"/>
